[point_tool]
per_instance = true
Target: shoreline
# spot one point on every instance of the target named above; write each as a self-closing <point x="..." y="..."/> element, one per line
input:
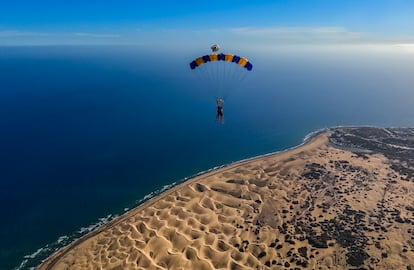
<point x="314" y="205"/>
<point x="53" y="259"/>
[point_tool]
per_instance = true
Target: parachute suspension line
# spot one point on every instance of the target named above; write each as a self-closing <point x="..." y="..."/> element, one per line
<point x="234" y="69"/>
<point x="228" y="81"/>
<point x="217" y="83"/>
<point x="214" y="82"/>
<point x="228" y="74"/>
<point x="205" y="77"/>
<point x="225" y="81"/>
<point x="220" y="80"/>
<point x="201" y="73"/>
<point x="223" y="78"/>
<point x="210" y="74"/>
<point x="243" y="76"/>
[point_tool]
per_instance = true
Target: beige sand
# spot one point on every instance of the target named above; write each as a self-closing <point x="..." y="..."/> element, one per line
<point x="257" y="215"/>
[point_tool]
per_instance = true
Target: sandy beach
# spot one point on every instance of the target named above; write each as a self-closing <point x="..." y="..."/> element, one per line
<point x="313" y="207"/>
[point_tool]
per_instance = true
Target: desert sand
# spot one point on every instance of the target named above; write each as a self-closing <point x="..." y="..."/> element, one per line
<point x="313" y="207"/>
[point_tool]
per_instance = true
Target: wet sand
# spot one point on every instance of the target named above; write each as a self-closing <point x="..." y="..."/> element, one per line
<point x="312" y="207"/>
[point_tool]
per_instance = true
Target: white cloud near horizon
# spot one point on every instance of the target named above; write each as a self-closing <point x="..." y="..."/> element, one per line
<point x="94" y="35"/>
<point x="406" y="47"/>
<point x="248" y="36"/>
<point x="19" y="33"/>
<point x="300" y="34"/>
<point x="12" y="37"/>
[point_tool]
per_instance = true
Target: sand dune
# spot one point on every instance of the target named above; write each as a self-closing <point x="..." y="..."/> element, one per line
<point x="313" y="207"/>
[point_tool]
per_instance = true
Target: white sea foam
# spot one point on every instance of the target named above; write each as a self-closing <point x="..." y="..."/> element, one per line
<point x="312" y="134"/>
<point x="146" y="197"/>
<point x="166" y="187"/>
<point x="22" y="264"/>
<point x="62" y="238"/>
<point x="34" y="254"/>
<point x="155" y="193"/>
<point x="63" y="241"/>
<point x="101" y="221"/>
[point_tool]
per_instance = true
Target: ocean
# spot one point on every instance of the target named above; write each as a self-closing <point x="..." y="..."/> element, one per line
<point x="89" y="132"/>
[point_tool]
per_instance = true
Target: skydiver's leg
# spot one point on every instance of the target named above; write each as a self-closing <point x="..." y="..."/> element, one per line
<point x="221" y="116"/>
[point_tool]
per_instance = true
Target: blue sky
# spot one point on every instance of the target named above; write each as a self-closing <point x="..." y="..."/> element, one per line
<point x="133" y="22"/>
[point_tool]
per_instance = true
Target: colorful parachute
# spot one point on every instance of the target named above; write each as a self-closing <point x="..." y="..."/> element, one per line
<point x="222" y="57"/>
<point x="220" y="73"/>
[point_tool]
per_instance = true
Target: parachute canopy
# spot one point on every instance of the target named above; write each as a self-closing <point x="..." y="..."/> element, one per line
<point x="221" y="57"/>
<point x="220" y="73"/>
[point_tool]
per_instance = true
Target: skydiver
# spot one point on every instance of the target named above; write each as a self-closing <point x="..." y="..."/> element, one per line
<point x="220" y="105"/>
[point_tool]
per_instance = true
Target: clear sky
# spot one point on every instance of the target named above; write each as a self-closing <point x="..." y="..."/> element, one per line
<point x="158" y="22"/>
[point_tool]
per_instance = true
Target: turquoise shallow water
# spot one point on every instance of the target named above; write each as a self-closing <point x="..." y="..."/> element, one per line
<point x="89" y="131"/>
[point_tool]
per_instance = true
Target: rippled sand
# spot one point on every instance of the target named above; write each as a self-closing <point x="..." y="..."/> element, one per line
<point x="313" y="207"/>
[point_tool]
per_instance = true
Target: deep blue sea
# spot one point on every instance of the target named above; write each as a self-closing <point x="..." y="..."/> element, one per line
<point x="86" y="132"/>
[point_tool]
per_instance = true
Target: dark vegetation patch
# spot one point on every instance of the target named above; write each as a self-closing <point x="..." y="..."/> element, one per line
<point x="397" y="144"/>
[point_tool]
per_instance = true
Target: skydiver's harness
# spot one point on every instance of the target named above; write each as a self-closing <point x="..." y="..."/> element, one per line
<point x="220" y="105"/>
<point x="219" y="110"/>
